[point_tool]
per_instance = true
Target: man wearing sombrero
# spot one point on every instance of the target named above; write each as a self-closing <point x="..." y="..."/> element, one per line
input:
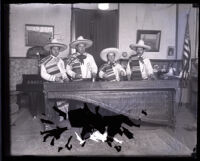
<point x="111" y="71"/>
<point x="53" y="68"/>
<point x="138" y="67"/>
<point x="81" y="65"/>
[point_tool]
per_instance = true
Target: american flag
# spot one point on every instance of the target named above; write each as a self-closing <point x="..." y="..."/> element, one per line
<point x="186" y="56"/>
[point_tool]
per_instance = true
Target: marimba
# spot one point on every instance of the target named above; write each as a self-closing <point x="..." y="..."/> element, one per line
<point x="129" y="98"/>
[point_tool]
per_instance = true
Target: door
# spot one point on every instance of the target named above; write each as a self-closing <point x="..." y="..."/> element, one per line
<point x="99" y="26"/>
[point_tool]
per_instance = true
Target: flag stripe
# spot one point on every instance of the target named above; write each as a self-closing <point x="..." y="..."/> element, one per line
<point x="186" y="48"/>
<point x="186" y="54"/>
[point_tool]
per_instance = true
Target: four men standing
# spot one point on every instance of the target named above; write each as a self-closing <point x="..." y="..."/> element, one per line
<point x="82" y="66"/>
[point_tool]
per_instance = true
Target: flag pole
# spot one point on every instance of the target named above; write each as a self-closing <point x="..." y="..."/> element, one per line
<point x="196" y="33"/>
<point x="177" y="11"/>
<point x="183" y="68"/>
<point x="71" y="27"/>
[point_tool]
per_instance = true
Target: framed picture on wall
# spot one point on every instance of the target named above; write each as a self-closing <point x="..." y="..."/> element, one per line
<point x="170" y="51"/>
<point x="38" y="35"/>
<point x="151" y="38"/>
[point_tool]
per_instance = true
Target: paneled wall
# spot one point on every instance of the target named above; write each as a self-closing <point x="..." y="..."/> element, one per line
<point x="20" y="66"/>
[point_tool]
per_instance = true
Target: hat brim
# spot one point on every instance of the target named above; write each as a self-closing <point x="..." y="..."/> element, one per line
<point x="135" y="46"/>
<point x="104" y="53"/>
<point x="86" y="42"/>
<point x="62" y="47"/>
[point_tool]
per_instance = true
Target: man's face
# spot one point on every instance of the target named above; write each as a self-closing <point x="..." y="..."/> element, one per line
<point x="81" y="48"/>
<point x="111" y="57"/>
<point x="140" y="51"/>
<point x="55" y="51"/>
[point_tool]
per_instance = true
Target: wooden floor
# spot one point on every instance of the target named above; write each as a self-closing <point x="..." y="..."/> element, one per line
<point x="148" y="140"/>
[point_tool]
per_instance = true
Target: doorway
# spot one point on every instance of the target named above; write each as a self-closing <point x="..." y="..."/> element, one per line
<point x="99" y="26"/>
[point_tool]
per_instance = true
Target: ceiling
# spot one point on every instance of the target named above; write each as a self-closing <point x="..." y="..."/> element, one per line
<point x="112" y="6"/>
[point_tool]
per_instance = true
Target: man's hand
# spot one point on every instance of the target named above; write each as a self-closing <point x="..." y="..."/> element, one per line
<point x="66" y="80"/>
<point x="77" y="76"/>
<point x="94" y="75"/>
<point x="122" y="73"/>
<point x="129" y="77"/>
<point x="58" y="79"/>
<point x="151" y="77"/>
<point x="105" y="76"/>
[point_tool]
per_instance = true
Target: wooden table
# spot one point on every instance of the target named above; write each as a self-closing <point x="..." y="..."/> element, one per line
<point x="157" y="97"/>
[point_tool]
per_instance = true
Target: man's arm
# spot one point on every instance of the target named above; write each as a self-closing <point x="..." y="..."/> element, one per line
<point x="69" y="71"/>
<point x="121" y="70"/>
<point x="45" y="75"/>
<point x="149" y="67"/>
<point x="93" y="65"/>
<point x="128" y="71"/>
<point x="102" y="73"/>
<point x="61" y="67"/>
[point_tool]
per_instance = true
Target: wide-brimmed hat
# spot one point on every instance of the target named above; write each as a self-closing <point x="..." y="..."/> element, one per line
<point x="139" y="44"/>
<point x="81" y="40"/>
<point x="104" y="53"/>
<point x="55" y="42"/>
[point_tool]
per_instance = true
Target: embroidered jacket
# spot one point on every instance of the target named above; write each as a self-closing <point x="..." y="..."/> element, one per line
<point x="144" y="66"/>
<point x="112" y="71"/>
<point x="85" y="69"/>
<point x="52" y="67"/>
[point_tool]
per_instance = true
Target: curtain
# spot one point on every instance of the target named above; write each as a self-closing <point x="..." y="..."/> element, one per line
<point x="99" y="26"/>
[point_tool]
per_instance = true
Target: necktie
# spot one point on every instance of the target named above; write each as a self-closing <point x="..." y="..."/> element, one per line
<point x="81" y="58"/>
<point x="112" y="64"/>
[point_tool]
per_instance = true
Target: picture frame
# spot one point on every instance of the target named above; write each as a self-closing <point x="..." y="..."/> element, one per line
<point x="170" y="51"/>
<point x="38" y="35"/>
<point x="151" y="38"/>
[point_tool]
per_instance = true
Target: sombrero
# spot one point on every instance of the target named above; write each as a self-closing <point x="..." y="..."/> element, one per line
<point x="55" y="42"/>
<point x="104" y="53"/>
<point x="139" y="44"/>
<point x="81" y="40"/>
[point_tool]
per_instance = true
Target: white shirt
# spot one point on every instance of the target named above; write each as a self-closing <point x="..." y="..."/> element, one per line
<point x="87" y="68"/>
<point x="61" y="66"/>
<point x="116" y="69"/>
<point x="145" y="68"/>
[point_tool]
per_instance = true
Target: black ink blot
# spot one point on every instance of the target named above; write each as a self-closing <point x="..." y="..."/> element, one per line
<point x="144" y="112"/>
<point x="60" y="148"/>
<point x="118" y="148"/>
<point x="83" y="144"/>
<point x="127" y="133"/>
<point x="67" y="145"/>
<point x="61" y="113"/>
<point x="52" y="142"/>
<point x="90" y="122"/>
<point x="46" y="121"/>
